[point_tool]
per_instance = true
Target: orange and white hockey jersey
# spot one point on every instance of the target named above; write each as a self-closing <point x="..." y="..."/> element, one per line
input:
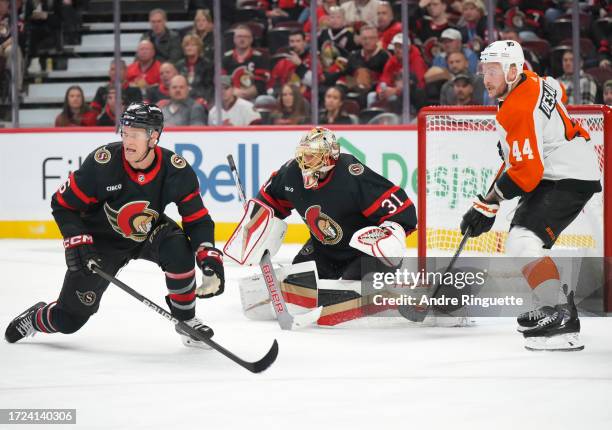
<point x="539" y="140"/>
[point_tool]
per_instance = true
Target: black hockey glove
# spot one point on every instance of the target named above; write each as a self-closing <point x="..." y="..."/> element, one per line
<point x="480" y="217"/>
<point x="210" y="260"/>
<point x="79" y="251"/>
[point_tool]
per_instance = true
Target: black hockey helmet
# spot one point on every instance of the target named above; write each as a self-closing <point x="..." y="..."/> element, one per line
<point x="143" y="115"/>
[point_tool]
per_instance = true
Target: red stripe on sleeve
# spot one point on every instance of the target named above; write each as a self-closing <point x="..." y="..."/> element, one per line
<point x="191" y="196"/>
<point x="80" y="194"/>
<point x="274" y="203"/>
<point x="199" y="214"/>
<point x="62" y="202"/>
<point x="374" y="207"/>
<point x="403" y="207"/>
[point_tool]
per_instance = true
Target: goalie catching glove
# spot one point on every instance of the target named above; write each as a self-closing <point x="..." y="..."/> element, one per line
<point x="386" y="241"/>
<point x="210" y="260"/>
<point x="480" y="217"/>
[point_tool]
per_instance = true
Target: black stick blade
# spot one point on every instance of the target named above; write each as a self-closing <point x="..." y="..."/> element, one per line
<point x="265" y="362"/>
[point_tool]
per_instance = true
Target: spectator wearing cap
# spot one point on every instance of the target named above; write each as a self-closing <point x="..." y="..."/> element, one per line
<point x="235" y="110"/>
<point x="463" y="89"/>
<point x="296" y="67"/>
<point x="387" y="89"/>
<point x="144" y="71"/>
<point x="431" y="19"/>
<point x="452" y="42"/>
<point x="198" y="70"/>
<point x="337" y="33"/>
<point x="387" y="25"/>
<point x="588" y="85"/>
<point x="182" y="109"/>
<point x="458" y="65"/>
<point x="360" y="11"/>
<point x="128" y="94"/>
<point x="473" y="21"/>
<point x="607" y="92"/>
<point x="167" y="42"/>
<point x="248" y="68"/>
<point x="161" y="91"/>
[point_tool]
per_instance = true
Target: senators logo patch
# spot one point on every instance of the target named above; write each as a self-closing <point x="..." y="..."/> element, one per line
<point x="133" y="221"/>
<point x="178" y="161"/>
<point x="326" y="230"/>
<point x="355" y="169"/>
<point x="88" y="298"/>
<point x="102" y="156"/>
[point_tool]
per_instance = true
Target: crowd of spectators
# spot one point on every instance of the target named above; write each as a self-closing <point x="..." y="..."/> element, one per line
<point x="267" y="56"/>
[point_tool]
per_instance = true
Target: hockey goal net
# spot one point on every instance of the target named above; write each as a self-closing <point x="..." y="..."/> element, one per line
<point x="457" y="145"/>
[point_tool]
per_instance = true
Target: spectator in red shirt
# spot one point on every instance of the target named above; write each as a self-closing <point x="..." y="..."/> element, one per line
<point x="387" y="88"/>
<point x="159" y="92"/>
<point x="387" y="25"/>
<point x="296" y="67"/>
<point x="75" y="112"/>
<point x="144" y="71"/>
<point x="322" y="14"/>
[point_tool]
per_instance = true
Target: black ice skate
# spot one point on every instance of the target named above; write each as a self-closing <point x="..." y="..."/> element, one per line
<point x="559" y="331"/>
<point x="529" y="320"/>
<point x="22" y="326"/>
<point x="202" y="328"/>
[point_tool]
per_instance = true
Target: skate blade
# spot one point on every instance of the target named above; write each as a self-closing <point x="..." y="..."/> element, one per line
<point x="561" y="342"/>
<point x="190" y="343"/>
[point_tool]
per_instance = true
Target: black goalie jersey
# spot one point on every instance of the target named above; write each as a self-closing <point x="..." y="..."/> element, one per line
<point x="121" y="206"/>
<point x="351" y="197"/>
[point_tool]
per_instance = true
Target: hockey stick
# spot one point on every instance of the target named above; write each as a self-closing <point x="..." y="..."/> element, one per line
<point x="255" y="367"/>
<point x="285" y="319"/>
<point x="413" y="313"/>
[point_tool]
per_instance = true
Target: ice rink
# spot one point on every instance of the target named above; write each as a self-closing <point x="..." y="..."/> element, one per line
<point x="127" y="368"/>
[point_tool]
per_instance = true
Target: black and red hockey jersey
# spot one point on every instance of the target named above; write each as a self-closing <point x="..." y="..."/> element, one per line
<point x="351" y="197"/>
<point x="253" y="69"/>
<point x="120" y="206"/>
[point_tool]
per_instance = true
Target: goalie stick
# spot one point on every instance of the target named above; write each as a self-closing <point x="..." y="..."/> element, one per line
<point x="285" y="319"/>
<point x="416" y="314"/>
<point x="255" y="367"/>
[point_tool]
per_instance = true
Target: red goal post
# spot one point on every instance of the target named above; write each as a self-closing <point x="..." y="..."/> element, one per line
<point x="458" y="158"/>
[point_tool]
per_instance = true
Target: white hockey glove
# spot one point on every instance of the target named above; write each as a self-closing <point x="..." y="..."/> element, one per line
<point x="210" y="260"/>
<point x="386" y="241"/>
<point x="480" y="217"/>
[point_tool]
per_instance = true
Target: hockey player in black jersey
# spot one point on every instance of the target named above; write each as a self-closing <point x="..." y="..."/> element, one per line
<point x="111" y="210"/>
<point x="342" y="202"/>
<point x="353" y="215"/>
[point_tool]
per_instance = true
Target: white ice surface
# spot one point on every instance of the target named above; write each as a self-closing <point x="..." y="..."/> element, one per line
<point x="127" y="368"/>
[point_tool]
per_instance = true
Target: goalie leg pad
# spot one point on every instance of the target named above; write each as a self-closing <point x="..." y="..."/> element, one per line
<point x="298" y="285"/>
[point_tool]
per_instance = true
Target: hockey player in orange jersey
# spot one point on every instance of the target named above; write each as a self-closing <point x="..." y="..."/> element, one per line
<point x="551" y="166"/>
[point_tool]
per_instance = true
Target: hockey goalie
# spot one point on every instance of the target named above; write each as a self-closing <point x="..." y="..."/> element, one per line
<point x="550" y="166"/>
<point x="357" y="220"/>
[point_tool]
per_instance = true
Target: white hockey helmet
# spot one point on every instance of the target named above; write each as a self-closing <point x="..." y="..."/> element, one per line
<point x="505" y="52"/>
<point x="316" y="154"/>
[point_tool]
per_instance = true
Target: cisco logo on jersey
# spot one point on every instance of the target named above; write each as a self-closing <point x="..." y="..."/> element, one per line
<point x="133" y="221"/>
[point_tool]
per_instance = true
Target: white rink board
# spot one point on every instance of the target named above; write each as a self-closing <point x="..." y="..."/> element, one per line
<point x="34" y="164"/>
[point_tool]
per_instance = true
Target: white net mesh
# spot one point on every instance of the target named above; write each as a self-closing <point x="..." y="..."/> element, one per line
<point x="462" y="160"/>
